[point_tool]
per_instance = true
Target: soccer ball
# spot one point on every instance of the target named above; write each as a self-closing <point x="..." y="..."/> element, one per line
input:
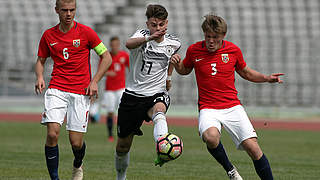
<point x="169" y="147"/>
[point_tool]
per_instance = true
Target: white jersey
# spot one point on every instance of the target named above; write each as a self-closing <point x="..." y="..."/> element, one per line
<point x="149" y="64"/>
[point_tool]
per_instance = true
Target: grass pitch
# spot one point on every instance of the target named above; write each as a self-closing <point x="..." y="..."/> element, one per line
<point x="294" y="155"/>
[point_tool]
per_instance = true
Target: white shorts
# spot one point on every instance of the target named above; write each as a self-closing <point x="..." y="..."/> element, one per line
<point x="58" y="104"/>
<point x="234" y="120"/>
<point x="111" y="100"/>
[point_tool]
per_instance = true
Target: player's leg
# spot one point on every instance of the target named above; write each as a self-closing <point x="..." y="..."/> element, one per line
<point x="77" y="122"/>
<point x="53" y="117"/>
<point x="109" y="123"/>
<point x="260" y="161"/>
<point x="238" y="125"/>
<point x="110" y="102"/>
<point x="160" y="126"/>
<point x="122" y="156"/>
<point x="159" y="120"/>
<point x="160" y="104"/>
<point x="128" y="124"/>
<point x="52" y="150"/>
<point x="79" y="149"/>
<point x="210" y="132"/>
<point x="212" y="139"/>
<point x="110" y="112"/>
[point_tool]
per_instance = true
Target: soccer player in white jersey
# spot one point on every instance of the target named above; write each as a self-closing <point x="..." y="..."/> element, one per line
<point x="145" y="97"/>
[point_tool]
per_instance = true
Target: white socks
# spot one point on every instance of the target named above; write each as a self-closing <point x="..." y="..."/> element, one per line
<point x="160" y="125"/>
<point x="122" y="162"/>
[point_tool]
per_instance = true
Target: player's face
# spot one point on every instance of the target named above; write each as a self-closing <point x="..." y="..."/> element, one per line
<point x="66" y="12"/>
<point x="115" y="46"/>
<point x="213" y="41"/>
<point x="155" y="24"/>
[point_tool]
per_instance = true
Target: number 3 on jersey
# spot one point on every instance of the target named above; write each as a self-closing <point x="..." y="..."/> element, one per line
<point x="65" y="53"/>
<point x="214" y="70"/>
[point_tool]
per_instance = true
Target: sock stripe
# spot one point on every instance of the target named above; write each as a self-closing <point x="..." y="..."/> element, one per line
<point x="156" y="114"/>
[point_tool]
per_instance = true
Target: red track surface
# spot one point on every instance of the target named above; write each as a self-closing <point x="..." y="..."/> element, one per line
<point x="182" y="121"/>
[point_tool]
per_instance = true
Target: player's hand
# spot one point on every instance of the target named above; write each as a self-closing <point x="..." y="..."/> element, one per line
<point x="175" y="59"/>
<point x="158" y="34"/>
<point x="40" y="86"/>
<point x="92" y="91"/>
<point x="168" y="85"/>
<point x="275" y="78"/>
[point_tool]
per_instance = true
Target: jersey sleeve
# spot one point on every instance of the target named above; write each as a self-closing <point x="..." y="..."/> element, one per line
<point x="140" y="33"/>
<point x="240" y="64"/>
<point x="187" y="62"/>
<point x="95" y="42"/>
<point x="43" y="50"/>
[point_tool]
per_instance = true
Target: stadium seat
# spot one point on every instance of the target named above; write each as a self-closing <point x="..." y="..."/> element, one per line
<point x="273" y="35"/>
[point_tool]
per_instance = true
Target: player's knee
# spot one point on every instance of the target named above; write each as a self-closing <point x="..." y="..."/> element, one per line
<point x="52" y="138"/>
<point x="212" y="142"/>
<point x="252" y="148"/>
<point x="211" y="138"/>
<point x="76" y="145"/>
<point x="122" y="148"/>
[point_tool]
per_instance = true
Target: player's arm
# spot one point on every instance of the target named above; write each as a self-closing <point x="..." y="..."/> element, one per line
<point x="111" y="73"/>
<point x="39" y="68"/>
<point x="105" y="62"/>
<point x="168" y="81"/>
<point x="133" y="43"/>
<point x="179" y="66"/>
<point x="255" y="76"/>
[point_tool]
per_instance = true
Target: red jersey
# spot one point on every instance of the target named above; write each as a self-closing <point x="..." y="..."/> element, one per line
<point x="70" y="53"/>
<point x="119" y="63"/>
<point x="215" y="74"/>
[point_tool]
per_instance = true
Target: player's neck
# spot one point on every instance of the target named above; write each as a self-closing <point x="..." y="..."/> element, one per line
<point x="114" y="52"/>
<point x="65" y="27"/>
<point x="160" y="40"/>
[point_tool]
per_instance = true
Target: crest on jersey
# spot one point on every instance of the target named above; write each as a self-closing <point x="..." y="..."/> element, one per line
<point x="225" y="58"/>
<point x="169" y="50"/>
<point x="76" y="43"/>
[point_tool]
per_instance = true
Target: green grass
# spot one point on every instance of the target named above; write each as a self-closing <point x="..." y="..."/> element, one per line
<point x="294" y="155"/>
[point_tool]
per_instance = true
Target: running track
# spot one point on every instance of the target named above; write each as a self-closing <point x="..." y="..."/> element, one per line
<point x="258" y="123"/>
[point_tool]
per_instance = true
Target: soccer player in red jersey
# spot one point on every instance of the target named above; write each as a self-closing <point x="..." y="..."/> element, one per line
<point x="215" y="61"/>
<point x="71" y="86"/>
<point x="115" y="82"/>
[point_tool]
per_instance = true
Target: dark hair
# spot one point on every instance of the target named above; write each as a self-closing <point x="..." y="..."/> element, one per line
<point x="156" y="11"/>
<point x="114" y="38"/>
<point x="214" y="23"/>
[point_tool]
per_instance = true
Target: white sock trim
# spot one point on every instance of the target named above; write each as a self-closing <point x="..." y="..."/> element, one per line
<point x="121" y="164"/>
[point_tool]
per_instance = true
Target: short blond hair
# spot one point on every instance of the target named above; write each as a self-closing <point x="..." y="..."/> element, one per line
<point x="58" y="2"/>
<point x="214" y="23"/>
